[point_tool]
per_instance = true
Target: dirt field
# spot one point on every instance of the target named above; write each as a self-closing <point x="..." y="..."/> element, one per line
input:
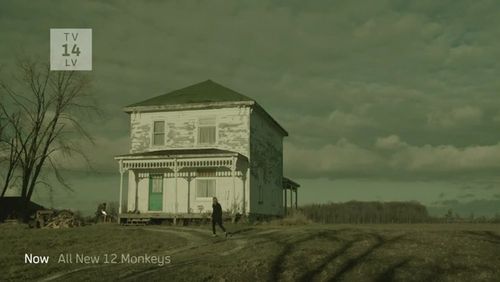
<point x="264" y="252"/>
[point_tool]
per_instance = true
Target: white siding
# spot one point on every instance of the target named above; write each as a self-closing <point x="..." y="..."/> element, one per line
<point x="239" y="129"/>
<point x="266" y="153"/>
<point x="224" y="188"/>
<point x="181" y="129"/>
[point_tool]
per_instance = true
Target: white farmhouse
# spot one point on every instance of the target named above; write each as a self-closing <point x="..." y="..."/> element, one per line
<point x="199" y="142"/>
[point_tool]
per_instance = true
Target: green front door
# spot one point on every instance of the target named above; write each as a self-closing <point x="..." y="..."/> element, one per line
<point x="155" y="192"/>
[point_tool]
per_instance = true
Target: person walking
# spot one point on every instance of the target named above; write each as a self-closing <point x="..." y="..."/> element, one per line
<point x="217" y="216"/>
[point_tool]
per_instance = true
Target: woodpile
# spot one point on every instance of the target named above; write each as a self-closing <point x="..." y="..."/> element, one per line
<point x="63" y="219"/>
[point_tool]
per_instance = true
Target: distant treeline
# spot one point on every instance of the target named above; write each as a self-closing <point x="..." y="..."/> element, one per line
<point x="367" y="212"/>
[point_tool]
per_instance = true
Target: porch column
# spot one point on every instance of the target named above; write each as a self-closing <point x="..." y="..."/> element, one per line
<point x="244" y="182"/>
<point x="291" y="197"/>
<point x="120" y="202"/>
<point x="233" y="175"/>
<point x="284" y="190"/>
<point x="176" y="170"/>
<point x="189" y="192"/>
<point x="296" y="196"/>
<point x="136" y="176"/>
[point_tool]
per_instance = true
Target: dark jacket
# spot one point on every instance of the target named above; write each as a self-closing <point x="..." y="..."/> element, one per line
<point x="216" y="211"/>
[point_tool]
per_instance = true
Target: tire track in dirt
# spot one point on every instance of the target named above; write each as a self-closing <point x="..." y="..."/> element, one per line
<point x="64" y="273"/>
<point x="240" y="244"/>
<point x="196" y="238"/>
<point x="193" y="243"/>
<point x="190" y="238"/>
<point x="184" y="235"/>
<point x="289" y="243"/>
<point x="356" y="261"/>
<point x="203" y="234"/>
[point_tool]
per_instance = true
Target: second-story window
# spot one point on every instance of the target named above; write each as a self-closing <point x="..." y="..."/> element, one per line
<point x="206" y="131"/>
<point x="159" y="133"/>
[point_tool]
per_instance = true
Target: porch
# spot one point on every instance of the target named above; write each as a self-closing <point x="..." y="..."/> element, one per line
<point x="290" y="188"/>
<point x="179" y="168"/>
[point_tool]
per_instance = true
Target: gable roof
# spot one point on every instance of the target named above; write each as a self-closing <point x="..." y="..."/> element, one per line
<point x="202" y="92"/>
<point x="202" y="95"/>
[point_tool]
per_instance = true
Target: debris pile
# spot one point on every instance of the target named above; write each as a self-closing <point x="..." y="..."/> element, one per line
<point x="63" y="219"/>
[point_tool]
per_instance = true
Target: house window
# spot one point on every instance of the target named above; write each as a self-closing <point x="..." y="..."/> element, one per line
<point x="159" y="133"/>
<point x="156" y="183"/>
<point x="206" y="131"/>
<point x="205" y="188"/>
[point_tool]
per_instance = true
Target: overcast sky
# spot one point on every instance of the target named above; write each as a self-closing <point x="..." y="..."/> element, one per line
<point x="383" y="100"/>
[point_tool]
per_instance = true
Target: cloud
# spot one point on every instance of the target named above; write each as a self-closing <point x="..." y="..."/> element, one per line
<point x="447" y="158"/>
<point x="466" y="196"/>
<point x="340" y="118"/>
<point x="100" y="155"/>
<point x="458" y="117"/>
<point x="390" y="142"/>
<point x="340" y="159"/>
<point x="394" y="158"/>
<point x="392" y="90"/>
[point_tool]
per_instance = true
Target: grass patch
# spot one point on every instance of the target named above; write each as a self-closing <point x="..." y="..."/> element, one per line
<point x="288" y="250"/>
<point x="294" y="218"/>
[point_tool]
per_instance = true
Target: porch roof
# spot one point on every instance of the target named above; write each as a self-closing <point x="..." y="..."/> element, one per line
<point x="182" y="153"/>
<point x="288" y="183"/>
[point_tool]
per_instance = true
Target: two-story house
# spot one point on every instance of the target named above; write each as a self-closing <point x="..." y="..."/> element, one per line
<point x="199" y="142"/>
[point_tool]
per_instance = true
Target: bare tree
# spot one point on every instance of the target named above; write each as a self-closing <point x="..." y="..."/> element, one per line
<point x="9" y="147"/>
<point x="41" y="112"/>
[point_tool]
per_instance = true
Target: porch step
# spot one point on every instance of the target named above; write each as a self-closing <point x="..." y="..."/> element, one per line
<point x="137" y="221"/>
